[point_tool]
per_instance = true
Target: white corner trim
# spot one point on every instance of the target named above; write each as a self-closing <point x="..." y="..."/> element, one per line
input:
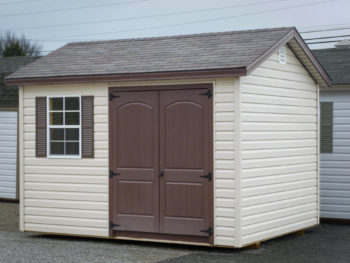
<point x="238" y="201"/>
<point x="21" y="161"/>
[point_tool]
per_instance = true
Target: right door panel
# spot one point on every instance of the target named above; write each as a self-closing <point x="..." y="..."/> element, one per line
<point x="184" y="158"/>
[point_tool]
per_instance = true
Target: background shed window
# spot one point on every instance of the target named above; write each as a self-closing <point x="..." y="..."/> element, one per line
<point x="326" y="127"/>
<point x="64" y="126"/>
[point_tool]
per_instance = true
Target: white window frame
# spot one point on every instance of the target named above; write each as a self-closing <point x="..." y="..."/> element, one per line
<point x="63" y="156"/>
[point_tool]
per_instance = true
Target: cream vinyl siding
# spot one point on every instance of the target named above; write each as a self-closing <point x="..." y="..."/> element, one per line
<point x="224" y="162"/>
<point x="335" y="166"/>
<point x="70" y="196"/>
<point x="67" y="196"/>
<point x="279" y="167"/>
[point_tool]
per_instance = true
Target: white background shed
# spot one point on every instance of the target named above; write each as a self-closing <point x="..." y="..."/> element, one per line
<point x="8" y="127"/>
<point x="335" y="159"/>
<point x="250" y="111"/>
<point x="8" y="154"/>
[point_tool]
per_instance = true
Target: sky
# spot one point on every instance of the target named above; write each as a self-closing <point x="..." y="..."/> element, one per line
<point x="55" y="23"/>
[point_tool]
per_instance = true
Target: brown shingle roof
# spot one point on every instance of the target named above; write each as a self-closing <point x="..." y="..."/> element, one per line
<point x="160" y="54"/>
<point x="234" y="53"/>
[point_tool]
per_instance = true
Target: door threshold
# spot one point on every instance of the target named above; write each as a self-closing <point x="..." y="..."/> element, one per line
<point x="162" y="238"/>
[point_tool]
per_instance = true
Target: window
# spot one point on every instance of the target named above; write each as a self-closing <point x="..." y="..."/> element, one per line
<point x="64" y="126"/>
<point x="326" y="123"/>
<point x="282" y="54"/>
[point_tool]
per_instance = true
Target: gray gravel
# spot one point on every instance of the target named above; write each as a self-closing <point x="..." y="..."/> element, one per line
<point x="326" y="243"/>
<point x="16" y="246"/>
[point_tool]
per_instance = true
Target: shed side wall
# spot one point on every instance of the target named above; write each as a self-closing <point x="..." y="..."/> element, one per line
<point x="335" y="166"/>
<point x="279" y="178"/>
<point x="68" y="196"/>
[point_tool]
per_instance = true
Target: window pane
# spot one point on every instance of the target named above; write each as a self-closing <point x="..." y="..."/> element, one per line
<point x="72" y="148"/>
<point x="72" y="118"/>
<point x="57" y="148"/>
<point x="56" y="118"/>
<point x="57" y="134"/>
<point x="56" y="103"/>
<point x="72" y="103"/>
<point x="72" y="134"/>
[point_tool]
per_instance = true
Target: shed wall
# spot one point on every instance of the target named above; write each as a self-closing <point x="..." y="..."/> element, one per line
<point x="224" y="163"/>
<point x="70" y="196"/>
<point x="279" y="167"/>
<point x="335" y="166"/>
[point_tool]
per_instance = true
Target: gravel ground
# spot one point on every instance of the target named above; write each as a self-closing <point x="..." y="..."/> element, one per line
<point x="326" y="243"/>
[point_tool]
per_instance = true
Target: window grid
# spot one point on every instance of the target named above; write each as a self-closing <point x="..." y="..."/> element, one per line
<point x="64" y="127"/>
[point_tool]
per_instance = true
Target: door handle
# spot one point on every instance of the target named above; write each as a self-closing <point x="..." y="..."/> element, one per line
<point x="161" y="173"/>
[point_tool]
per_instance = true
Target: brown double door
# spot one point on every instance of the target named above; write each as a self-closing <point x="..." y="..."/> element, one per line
<point x="160" y="162"/>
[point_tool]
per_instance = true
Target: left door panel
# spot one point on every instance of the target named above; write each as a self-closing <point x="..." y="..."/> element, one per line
<point x="135" y="160"/>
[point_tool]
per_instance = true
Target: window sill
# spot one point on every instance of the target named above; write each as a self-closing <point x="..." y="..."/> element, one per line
<point x="64" y="157"/>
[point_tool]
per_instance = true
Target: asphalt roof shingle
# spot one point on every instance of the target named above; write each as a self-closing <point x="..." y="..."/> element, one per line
<point x="336" y="62"/>
<point x="224" y="50"/>
<point x="8" y="65"/>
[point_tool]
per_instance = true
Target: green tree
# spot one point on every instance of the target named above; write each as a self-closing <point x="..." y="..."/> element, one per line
<point x="12" y="45"/>
<point x="13" y="50"/>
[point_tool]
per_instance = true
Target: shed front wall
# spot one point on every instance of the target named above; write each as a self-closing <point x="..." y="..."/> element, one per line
<point x="279" y="160"/>
<point x="70" y="196"/>
<point x="335" y="166"/>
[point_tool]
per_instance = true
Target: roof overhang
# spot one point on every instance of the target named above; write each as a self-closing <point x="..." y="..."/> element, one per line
<point x="212" y="73"/>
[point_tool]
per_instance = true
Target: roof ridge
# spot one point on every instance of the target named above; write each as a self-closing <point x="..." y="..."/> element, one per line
<point x="182" y="36"/>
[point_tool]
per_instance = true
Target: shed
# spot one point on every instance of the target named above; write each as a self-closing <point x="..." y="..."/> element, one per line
<point x="335" y="134"/>
<point x="8" y="127"/>
<point x="206" y="139"/>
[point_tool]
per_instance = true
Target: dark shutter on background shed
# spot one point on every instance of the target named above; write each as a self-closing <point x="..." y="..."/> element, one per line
<point x="326" y="127"/>
<point x="40" y="120"/>
<point x="87" y="125"/>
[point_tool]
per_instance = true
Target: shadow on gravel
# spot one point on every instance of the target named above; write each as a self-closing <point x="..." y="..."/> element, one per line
<point x="324" y="243"/>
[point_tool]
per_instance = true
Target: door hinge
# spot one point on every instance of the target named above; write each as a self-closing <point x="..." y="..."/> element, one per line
<point x="208" y="176"/>
<point x="209" y="231"/>
<point x="111" y="96"/>
<point x="112" y="225"/>
<point x="209" y="94"/>
<point x="112" y="173"/>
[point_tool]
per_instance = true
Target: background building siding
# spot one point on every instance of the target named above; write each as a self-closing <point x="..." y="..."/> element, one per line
<point x="8" y="154"/>
<point x="335" y="166"/>
<point x="278" y="150"/>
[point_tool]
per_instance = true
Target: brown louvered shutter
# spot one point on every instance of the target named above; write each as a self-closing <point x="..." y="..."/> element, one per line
<point x="326" y="139"/>
<point x="87" y="125"/>
<point x="40" y="133"/>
